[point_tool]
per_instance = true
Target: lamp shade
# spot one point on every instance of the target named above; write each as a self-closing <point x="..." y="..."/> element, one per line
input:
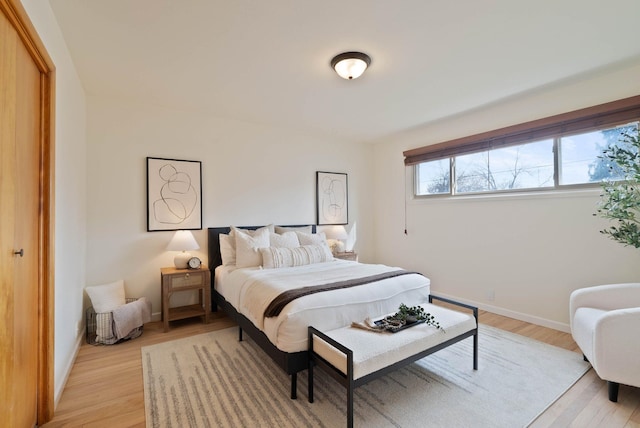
<point x="335" y="236"/>
<point x="350" y="65"/>
<point x="183" y="241"/>
<point x="335" y="232"/>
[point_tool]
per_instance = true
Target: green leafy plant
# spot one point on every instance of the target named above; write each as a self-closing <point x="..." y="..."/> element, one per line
<point x="620" y="200"/>
<point x="409" y="315"/>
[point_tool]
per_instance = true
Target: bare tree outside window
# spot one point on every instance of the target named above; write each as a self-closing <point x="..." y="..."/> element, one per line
<point x="532" y="165"/>
<point x="519" y="167"/>
<point x="433" y="177"/>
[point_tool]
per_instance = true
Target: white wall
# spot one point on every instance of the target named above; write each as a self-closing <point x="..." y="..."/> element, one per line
<point x="252" y="174"/>
<point x="530" y="250"/>
<point x="70" y="192"/>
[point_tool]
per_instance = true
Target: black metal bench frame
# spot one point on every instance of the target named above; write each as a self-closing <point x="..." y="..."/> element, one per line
<point x="347" y="379"/>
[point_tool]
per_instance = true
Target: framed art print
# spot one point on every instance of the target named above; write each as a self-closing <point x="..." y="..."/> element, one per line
<point x="174" y="194"/>
<point x="332" y="198"/>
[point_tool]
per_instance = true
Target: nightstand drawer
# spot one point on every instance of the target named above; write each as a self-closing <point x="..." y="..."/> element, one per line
<point x="187" y="280"/>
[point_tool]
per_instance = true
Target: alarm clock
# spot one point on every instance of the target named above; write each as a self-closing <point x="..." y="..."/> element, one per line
<point x="194" y="263"/>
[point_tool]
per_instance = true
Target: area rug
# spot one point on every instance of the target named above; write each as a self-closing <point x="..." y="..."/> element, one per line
<point x="213" y="380"/>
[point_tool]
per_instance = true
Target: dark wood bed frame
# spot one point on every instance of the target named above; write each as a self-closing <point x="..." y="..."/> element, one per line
<point x="291" y="362"/>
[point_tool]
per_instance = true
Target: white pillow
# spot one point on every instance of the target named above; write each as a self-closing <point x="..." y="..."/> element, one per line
<point x="279" y="257"/>
<point x="248" y="248"/>
<point x="283" y="229"/>
<point x="228" y="243"/>
<point x="270" y="228"/>
<point x="286" y="240"/>
<point x="312" y="238"/>
<point x="227" y="249"/>
<point x="106" y="297"/>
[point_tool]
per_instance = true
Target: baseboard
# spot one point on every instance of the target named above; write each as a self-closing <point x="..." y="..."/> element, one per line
<point x="511" y="314"/>
<point x="59" y="389"/>
<point x="156" y="316"/>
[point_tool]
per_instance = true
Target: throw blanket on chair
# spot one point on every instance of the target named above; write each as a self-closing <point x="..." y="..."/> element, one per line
<point x="130" y="316"/>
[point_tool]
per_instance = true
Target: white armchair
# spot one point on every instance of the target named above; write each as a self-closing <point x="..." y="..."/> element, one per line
<point x="605" y="323"/>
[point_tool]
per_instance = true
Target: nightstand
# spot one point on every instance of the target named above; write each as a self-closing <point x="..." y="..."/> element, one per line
<point x="177" y="280"/>
<point x="347" y="255"/>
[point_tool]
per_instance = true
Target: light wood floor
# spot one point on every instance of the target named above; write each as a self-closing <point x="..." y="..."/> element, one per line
<point x="105" y="385"/>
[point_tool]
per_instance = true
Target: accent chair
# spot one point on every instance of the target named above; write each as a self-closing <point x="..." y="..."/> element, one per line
<point x="605" y="323"/>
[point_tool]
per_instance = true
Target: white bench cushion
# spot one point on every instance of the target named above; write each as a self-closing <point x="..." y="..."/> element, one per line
<point x="373" y="351"/>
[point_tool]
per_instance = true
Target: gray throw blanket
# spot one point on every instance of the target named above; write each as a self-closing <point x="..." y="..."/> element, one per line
<point x="277" y="304"/>
<point x="130" y="316"/>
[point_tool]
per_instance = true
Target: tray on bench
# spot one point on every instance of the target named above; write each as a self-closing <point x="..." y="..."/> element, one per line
<point x="392" y="329"/>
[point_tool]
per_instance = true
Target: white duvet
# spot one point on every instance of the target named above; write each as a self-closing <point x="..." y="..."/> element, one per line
<point x="250" y="290"/>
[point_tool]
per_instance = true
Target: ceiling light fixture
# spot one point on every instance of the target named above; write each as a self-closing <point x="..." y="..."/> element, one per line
<point x="350" y="65"/>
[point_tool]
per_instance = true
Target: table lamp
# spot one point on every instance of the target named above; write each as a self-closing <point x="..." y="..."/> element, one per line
<point x="335" y="238"/>
<point x="182" y="241"/>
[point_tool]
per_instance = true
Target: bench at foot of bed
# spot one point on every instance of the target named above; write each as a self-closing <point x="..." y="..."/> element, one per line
<point x="354" y="356"/>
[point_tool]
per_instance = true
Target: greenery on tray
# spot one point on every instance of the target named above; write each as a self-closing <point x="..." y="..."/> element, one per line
<point x="409" y="315"/>
<point x="621" y="199"/>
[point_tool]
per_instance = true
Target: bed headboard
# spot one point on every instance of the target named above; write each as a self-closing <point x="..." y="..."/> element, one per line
<point x="213" y="239"/>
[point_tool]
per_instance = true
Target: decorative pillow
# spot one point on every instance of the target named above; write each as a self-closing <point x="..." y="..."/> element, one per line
<point x="312" y="238"/>
<point x="248" y="248"/>
<point x="283" y="229"/>
<point x="228" y="242"/>
<point x="270" y="228"/>
<point x="106" y="297"/>
<point x="275" y="257"/>
<point x="286" y="240"/>
<point x="227" y="249"/>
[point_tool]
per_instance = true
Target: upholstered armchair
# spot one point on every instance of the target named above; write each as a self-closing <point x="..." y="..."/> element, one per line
<point x="605" y="323"/>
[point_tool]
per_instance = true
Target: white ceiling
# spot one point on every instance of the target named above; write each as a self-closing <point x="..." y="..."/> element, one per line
<point x="267" y="61"/>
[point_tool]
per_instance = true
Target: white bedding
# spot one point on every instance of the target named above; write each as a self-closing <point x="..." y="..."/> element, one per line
<point x="250" y="290"/>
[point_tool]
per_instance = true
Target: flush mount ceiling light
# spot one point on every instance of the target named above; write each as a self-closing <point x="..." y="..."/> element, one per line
<point x="350" y="65"/>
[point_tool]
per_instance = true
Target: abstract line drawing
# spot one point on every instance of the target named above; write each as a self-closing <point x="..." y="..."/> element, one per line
<point x="174" y="194"/>
<point x="331" y="198"/>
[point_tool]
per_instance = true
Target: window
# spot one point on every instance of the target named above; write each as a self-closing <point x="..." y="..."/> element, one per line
<point x="580" y="160"/>
<point x="517" y="167"/>
<point x="549" y="153"/>
<point x="433" y="178"/>
<point x="524" y="166"/>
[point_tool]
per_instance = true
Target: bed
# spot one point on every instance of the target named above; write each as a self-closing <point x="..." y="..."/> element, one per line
<point x="356" y="290"/>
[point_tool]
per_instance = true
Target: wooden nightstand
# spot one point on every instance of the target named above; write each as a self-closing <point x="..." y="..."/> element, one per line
<point x="175" y="280"/>
<point x="347" y="255"/>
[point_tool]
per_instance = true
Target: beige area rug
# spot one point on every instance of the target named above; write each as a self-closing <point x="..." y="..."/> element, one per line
<point x="212" y="380"/>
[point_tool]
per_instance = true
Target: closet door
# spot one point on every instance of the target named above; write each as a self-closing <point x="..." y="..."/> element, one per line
<point x="20" y="197"/>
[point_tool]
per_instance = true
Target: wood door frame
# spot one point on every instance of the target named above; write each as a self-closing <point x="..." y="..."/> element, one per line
<point x="19" y="19"/>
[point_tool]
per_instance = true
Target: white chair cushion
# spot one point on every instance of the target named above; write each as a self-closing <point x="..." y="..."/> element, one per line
<point x="584" y="326"/>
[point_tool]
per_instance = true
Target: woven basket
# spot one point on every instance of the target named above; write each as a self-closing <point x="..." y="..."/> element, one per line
<point x="100" y="328"/>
